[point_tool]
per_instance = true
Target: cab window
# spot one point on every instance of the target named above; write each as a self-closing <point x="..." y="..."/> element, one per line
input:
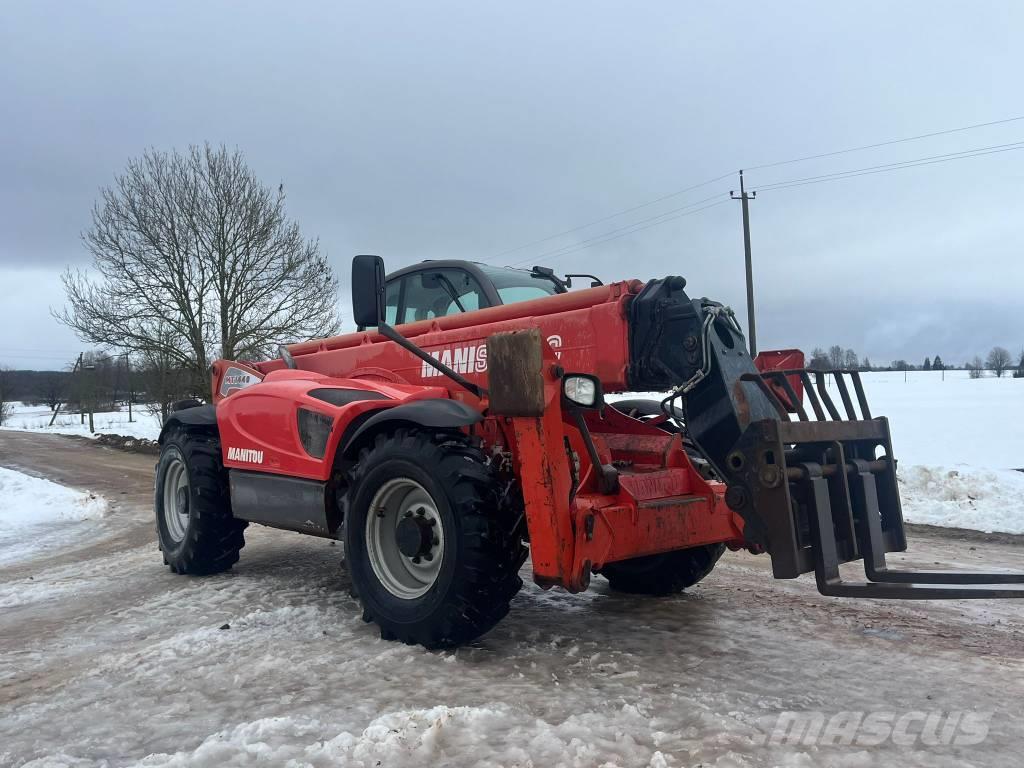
<point x="440" y="292"/>
<point x="391" y="298"/>
<point x="515" y="285"/>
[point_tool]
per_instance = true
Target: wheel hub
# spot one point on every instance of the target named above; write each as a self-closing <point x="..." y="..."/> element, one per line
<point x="405" y="538"/>
<point x="175" y="498"/>
<point x="181" y="500"/>
<point x="415" y="535"/>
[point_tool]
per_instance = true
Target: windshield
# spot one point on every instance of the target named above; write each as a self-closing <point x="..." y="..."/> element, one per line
<point x="515" y="285"/>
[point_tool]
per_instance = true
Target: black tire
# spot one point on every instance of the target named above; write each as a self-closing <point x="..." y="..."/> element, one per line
<point x="212" y="538"/>
<point x="478" y="574"/>
<point x="667" y="573"/>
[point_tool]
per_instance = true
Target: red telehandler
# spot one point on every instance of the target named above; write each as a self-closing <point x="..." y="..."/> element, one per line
<point x="471" y="424"/>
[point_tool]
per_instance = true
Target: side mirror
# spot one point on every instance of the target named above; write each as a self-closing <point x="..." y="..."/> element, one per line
<point x="368" y="290"/>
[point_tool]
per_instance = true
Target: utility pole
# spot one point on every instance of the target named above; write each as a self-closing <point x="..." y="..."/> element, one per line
<point x="56" y="410"/>
<point x="91" y="368"/>
<point x="744" y="197"/>
<point x="128" y="376"/>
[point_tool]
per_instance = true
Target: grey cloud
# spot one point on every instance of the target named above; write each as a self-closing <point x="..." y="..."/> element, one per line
<point x="463" y="129"/>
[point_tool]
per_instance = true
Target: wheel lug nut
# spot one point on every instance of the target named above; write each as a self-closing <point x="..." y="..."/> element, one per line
<point x="435" y="541"/>
<point x="407" y="514"/>
<point x="428" y="557"/>
<point x="416" y="559"/>
<point x="431" y="521"/>
<point x="421" y="511"/>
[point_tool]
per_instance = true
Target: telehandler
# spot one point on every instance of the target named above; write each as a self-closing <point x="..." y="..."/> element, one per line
<point x="464" y="426"/>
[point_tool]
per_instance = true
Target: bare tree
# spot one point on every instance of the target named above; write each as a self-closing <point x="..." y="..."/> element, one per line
<point x="998" y="361"/>
<point x="975" y="368"/>
<point x="836" y="356"/>
<point x="5" y="394"/>
<point x="196" y="259"/>
<point x="819" y="360"/>
<point x="52" y="389"/>
<point x="850" y="360"/>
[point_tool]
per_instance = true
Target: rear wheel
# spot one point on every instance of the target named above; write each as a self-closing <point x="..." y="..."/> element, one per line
<point x="663" y="574"/>
<point x="194" y="526"/>
<point x="431" y="550"/>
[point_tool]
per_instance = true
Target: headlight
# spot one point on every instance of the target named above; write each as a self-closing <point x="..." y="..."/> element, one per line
<point x="582" y="390"/>
<point x="314" y="430"/>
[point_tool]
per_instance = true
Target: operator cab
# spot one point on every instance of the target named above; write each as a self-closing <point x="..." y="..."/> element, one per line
<point x="439" y="288"/>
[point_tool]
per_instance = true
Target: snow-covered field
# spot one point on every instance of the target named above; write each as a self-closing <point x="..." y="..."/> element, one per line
<point x="37" y="514"/>
<point x="36" y="418"/>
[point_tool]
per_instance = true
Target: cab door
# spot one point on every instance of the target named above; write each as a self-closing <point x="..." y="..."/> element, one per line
<point x="433" y="292"/>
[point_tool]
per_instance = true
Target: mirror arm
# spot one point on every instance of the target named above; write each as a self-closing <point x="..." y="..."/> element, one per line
<point x="595" y="281"/>
<point x="390" y="333"/>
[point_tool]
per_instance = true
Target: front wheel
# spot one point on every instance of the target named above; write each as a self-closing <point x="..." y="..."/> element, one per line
<point x="194" y="526"/>
<point x="431" y="550"/>
<point x="663" y="574"/>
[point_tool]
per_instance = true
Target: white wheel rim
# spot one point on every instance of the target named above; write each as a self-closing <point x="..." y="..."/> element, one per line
<point x="176" y="499"/>
<point x="403" y="575"/>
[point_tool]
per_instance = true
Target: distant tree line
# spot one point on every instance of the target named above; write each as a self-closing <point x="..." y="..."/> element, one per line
<point x="999" y="361"/>
<point x="102" y="382"/>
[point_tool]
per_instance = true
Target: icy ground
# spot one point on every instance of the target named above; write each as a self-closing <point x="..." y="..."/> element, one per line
<point x="107" y="659"/>
<point x="271" y="665"/>
<point x="36" y="513"/>
<point x="36" y="418"/>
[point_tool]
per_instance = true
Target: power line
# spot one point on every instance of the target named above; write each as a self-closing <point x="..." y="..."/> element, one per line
<point x="587" y="244"/>
<point x="871" y="170"/>
<point x="654" y="221"/>
<point x="572" y="248"/>
<point x="677" y="193"/>
<point x="557" y="251"/>
<point x="884" y="143"/>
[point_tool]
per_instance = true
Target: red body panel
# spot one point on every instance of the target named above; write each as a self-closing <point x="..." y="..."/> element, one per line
<point x="260" y="422"/>
<point x="662" y="502"/>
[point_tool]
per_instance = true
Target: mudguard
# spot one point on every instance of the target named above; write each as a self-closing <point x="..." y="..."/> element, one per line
<point x="434" y="413"/>
<point x="196" y="416"/>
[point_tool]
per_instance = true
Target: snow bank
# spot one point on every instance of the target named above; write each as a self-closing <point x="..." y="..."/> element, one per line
<point x="34" y="418"/>
<point x="963" y="497"/>
<point x="490" y="736"/>
<point x="33" y="511"/>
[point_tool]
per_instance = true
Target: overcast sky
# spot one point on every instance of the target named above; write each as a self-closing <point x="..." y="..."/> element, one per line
<point x="463" y="130"/>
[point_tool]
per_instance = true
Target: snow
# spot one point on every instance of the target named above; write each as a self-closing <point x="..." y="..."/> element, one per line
<point x="963" y="497"/>
<point x="34" y="511"/>
<point x="36" y="418"/>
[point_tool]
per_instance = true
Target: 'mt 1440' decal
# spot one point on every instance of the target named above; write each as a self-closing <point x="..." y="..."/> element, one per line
<point x="235" y="379"/>
<point x="470" y="358"/>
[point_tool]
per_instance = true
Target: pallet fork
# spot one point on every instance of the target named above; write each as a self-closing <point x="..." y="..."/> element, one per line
<point x="832" y="500"/>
